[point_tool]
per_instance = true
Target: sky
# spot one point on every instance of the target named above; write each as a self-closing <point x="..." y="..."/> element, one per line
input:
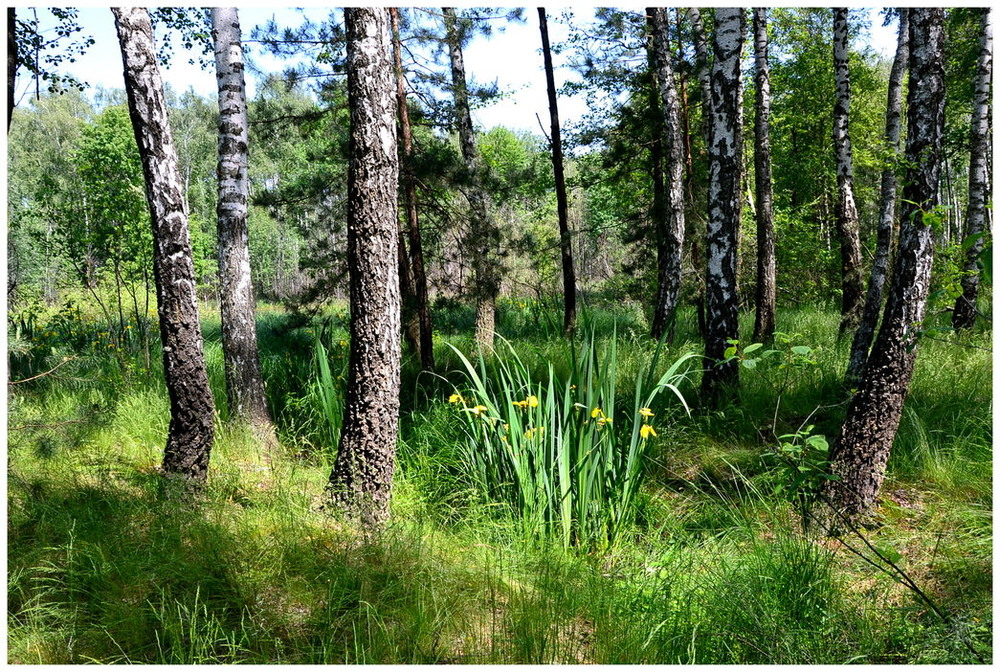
<point x="512" y="58"/>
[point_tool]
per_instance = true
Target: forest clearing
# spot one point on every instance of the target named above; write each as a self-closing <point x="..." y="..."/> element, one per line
<point x="331" y="374"/>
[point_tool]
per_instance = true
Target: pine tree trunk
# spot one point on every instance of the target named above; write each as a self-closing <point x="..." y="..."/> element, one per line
<point x="244" y="380"/>
<point x="763" y="327"/>
<point x="887" y="210"/>
<point x="361" y="481"/>
<point x="860" y="455"/>
<point x="670" y="225"/>
<point x="725" y="166"/>
<point x="845" y="211"/>
<point x="483" y="241"/>
<point x="419" y="275"/>
<point x="562" y="202"/>
<point x="191" y="430"/>
<point x="977" y="218"/>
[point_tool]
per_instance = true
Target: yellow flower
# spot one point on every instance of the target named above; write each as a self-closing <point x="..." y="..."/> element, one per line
<point x="532" y="401"/>
<point x="597" y="412"/>
<point x="456" y="399"/>
<point x="601" y="421"/>
<point x="531" y="433"/>
<point x="519" y="404"/>
<point x="647" y="431"/>
<point x="477" y="410"/>
<point x="646" y="413"/>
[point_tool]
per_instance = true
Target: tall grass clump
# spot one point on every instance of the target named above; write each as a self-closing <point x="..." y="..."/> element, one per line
<point x="564" y="454"/>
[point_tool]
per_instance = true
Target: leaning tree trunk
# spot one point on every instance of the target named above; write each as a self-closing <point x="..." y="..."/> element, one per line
<point x="670" y="223"/>
<point x="244" y="380"/>
<point x="416" y="265"/>
<point x="562" y="202"/>
<point x="977" y="219"/>
<point x="483" y="240"/>
<point x="763" y="326"/>
<point x="845" y="211"/>
<point x="361" y="481"/>
<point x="887" y="209"/>
<point x="191" y="431"/>
<point x="860" y="455"/>
<point x="724" y="170"/>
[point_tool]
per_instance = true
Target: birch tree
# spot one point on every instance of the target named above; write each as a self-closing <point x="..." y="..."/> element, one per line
<point x="887" y="208"/>
<point x="845" y="210"/>
<point x="860" y="455"/>
<point x="725" y="158"/>
<point x="670" y="221"/>
<point x="191" y="431"/>
<point x="244" y="381"/>
<point x="361" y="481"/>
<point x="977" y="219"/>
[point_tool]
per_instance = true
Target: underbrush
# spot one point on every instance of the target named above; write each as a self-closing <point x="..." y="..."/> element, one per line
<point x="711" y="568"/>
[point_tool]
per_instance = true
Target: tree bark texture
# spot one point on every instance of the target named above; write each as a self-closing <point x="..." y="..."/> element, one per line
<point x="704" y="76"/>
<point x="244" y="380"/>
<point x="724" y="169"/>
<point x="763" y="327"/>
<point x="361" y="481"/>
<point x="416" y="252"/>
<point x="887" y="209"/>
<point x="670" y="224"/>
<point x="845" y="210"/>
<point x="860" y="455"/>
<point x="977" y="217"/>
<point x="562" y="201"/>
<point x="11" y="62"/>
<point x="191" y="431"/>
<point x="483" y="241"/>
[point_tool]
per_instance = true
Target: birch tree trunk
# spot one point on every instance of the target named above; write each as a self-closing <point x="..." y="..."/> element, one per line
<point x="416" y="266"/>
<point x="562" y="202"/>
<point x="670" y="225"/>
<point x="887" y="209"/>
<point x="704" y="76"/>
<point x="845" y="211"/>
<point x="860" y="455"/>
<point x="361" y="480"/>
<point x="724" y="170"/>
<point x="191" y="430"/>
<point x="977" y="219"/>
<point x="11" y="62"/>
<point x="244" y="380"/>
<point x="763" y="327"/>
<point x="483" y="241"/>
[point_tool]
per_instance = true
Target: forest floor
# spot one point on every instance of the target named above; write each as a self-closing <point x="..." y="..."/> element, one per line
<point x="713" y="568"/>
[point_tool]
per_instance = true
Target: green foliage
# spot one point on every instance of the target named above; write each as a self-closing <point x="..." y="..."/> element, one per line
<point x="552" y="450"/>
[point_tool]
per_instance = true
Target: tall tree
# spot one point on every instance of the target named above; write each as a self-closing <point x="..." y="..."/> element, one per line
<point x="860" y="455"/>
<point x="704" y="74"/>
<point x="416" y="253"/>
<point x="977" y="219"/>
<point x="845" y="210"/>
<point x="763" y="326"/>
<point x="191" y="431"/>
<point x="887" y="209"/>
<point x="361" y="480"/>
<point x="725" y="159"/>
<point x="11" y="62"/>
<point x="483" y="239"/>
<point x="562" y="202"/>
<point x="244" y="380"/>
<point x="670" y="225"/>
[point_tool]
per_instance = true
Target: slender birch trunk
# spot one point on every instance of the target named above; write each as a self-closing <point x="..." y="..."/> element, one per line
<point x="978" y="216"/>
<point x="845" y="211"/>
<point x="763" y="327"/>
<point x="887" y="209"/>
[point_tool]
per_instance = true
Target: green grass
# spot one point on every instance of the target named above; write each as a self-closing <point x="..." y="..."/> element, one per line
<point x="711" y="568"/>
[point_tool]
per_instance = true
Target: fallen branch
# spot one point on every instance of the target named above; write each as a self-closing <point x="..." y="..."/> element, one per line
<point x="40" y="375"/>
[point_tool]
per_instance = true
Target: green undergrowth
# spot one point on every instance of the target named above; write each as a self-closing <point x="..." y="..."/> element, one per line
<point x="711" y="568"/>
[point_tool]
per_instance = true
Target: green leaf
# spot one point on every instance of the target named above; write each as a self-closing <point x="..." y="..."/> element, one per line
<point x="801" y="350"/>
<point x="753" y="347"/>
